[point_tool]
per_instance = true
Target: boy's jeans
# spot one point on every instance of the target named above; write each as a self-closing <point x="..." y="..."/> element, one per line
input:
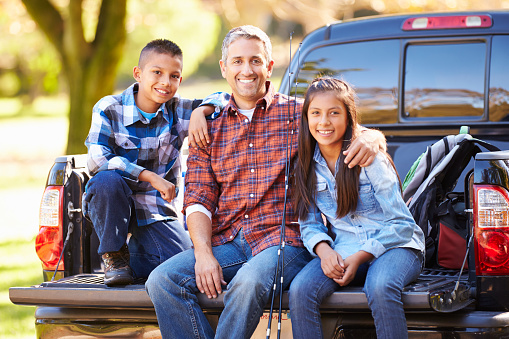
<point x="172" y="288"/>
<point x="108" y="204"/>
<point x="384" y="281"/>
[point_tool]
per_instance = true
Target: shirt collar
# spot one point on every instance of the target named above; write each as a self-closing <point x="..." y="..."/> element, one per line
<point x="264" y="102"/>
<point x="130" y="113"/>
<point x="320" y="160"/>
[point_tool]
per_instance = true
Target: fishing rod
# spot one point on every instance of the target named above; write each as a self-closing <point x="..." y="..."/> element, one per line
<point x="289" y="143"/>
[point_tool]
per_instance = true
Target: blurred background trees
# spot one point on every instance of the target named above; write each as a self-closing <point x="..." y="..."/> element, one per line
<point x="85" y="49"/>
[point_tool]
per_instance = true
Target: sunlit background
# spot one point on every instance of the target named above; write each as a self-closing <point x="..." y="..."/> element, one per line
<point x="58" y="57"/>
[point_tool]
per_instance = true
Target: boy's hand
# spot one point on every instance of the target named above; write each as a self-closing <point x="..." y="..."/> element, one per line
<point x="330" y="260"/>
<point x="166" y="188"/>
<point x="364" y="148"/>
<point x="198" y="130"/>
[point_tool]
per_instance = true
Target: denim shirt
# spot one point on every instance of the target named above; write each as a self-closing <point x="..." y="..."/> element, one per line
<point x="381" y="221"/>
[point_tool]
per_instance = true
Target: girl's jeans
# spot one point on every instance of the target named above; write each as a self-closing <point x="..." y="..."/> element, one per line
<point x="385" y="279"/>
<point x="108" y="204"/>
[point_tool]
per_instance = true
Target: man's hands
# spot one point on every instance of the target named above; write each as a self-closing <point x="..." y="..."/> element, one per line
<point x="209" y="274"/>
<point x="198" y="130"/>
<point x="166" y="188"/>
<point x="364" y="148"/>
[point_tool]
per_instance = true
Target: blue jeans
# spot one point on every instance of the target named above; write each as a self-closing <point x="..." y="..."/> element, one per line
<point x="384" y="278"/>
<point x="108" y="204"/>
<point x="172" y="288"/>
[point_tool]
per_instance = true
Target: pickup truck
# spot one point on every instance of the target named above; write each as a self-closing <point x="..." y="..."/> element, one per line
<point x="418" y="78"/>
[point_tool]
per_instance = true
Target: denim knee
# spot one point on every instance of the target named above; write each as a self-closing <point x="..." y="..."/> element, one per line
<point x="105" y="182"/>
<point x="299" y="288"/>
<point x="249" y="286"/>
<point x="156" y="279"/>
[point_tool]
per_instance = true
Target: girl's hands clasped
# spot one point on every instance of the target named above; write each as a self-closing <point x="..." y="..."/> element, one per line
<point x="330" y="260"/>
<point x="352" y="264"/>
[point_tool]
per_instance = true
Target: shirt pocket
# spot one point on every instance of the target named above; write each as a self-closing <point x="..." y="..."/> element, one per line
<point x="127" y="146"/>
<point x="367" y="202"/>
<point x="324" y="200"/>
<point x="168" y="147"/>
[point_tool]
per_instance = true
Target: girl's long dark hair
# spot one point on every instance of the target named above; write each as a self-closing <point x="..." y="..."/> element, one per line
<point x="347" y="179"/>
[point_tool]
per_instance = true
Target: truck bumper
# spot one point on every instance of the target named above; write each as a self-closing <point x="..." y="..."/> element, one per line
<point x="57" y="322"/>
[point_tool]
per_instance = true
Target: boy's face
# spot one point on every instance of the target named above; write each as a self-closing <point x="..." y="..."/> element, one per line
<point x="246" y="69"/>
<point x="159" y="78"/>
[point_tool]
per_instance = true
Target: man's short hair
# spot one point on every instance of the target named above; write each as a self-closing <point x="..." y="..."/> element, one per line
<point x="246" y="32"/>
<point x="161" y="46"/>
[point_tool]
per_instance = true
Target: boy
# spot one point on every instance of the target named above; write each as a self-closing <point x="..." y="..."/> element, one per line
<point x="133" y="155"/>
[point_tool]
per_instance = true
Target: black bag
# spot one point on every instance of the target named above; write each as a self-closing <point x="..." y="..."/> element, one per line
<point x="438" y="212"/>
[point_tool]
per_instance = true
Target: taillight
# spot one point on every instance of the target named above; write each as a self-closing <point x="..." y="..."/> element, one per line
<point x="449" y="21"/>
<point x="491" y="229"/>
<point x="49" y="240"/>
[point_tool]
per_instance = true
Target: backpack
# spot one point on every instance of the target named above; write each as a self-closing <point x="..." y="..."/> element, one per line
<point x="439" y="212"/>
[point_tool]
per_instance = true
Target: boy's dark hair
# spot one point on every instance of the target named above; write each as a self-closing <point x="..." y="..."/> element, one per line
<point x="161" y="46"/>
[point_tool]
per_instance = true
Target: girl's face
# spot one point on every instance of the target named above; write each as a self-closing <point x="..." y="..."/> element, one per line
<point x="328" y="120"/>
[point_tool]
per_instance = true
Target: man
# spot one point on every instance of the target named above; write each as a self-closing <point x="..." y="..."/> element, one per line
<point x="234" y="203"/>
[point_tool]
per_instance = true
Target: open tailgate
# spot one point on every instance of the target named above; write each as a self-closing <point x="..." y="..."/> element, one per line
<point x="434" y="290"/>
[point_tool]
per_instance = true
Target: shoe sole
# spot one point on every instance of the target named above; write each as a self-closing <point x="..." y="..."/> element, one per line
<point x="120" y="279"/>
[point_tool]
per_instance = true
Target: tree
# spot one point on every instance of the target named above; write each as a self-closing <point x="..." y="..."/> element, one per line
<point x="89" y="66"/>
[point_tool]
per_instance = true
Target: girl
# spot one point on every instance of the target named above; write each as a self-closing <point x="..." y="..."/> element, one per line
<point x="375" y="240"/>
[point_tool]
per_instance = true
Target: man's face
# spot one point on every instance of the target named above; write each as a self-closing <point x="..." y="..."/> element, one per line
<point x="159" y="78"/>
<point x="246" y="70"/>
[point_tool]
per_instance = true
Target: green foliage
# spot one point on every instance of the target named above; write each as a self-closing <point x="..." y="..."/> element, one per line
<point x="19" y="266"/>
<point x="9" y="84"/>
<point x="186" y="23"/>
<point x="25" y="52"/>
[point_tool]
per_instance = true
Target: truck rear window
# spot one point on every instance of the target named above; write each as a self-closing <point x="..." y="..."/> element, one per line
<point x="499" y="79"/>
<point x="444" y="80"/>
<point x="372" y="67"/>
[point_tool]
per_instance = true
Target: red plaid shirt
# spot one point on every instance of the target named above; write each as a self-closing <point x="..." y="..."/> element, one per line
<point x="240" y="177"/>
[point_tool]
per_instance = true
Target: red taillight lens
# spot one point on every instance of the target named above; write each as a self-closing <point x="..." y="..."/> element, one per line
<point x="49" y="240"/>
<point x="491" y="227"/>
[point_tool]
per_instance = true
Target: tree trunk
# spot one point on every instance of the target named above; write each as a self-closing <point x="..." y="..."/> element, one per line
<point x="90" y="67"/>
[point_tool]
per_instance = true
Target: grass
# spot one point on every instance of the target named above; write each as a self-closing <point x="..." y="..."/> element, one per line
<point x="30" y="138"/>
<point x="19" y="266"/>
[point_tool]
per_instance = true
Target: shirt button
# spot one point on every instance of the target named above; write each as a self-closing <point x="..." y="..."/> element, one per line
<point x="250" y="145"/>
<point x="151" y="149"/>
<point x="246" y="121"/>
<point x="251" y="195"/>
<point x="252" y="170"/>
<point x="231" y="236"/>
<point x="246" y="216"/>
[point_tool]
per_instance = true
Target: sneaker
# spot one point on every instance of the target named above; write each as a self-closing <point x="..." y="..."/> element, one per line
<point x="116" y="267"/>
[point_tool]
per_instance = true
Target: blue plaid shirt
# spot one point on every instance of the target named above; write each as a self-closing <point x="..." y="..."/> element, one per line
<point x="123" y="140"/>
